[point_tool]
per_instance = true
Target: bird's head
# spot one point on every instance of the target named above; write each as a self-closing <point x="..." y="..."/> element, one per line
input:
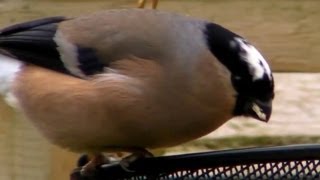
<point x="251" y="76"/>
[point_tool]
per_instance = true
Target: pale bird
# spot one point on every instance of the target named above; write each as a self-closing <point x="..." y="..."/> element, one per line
<point x="109" y="82"/>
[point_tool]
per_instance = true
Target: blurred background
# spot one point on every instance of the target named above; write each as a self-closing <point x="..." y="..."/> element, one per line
<point x="286" y="32"/>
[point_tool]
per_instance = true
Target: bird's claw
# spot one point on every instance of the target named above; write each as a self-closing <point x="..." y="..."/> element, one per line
<point x="89" y="165"/>
<point x="127" y="161"/>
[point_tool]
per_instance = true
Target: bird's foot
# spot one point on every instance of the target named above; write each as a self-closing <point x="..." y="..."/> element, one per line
<point x="136" y="155"/>
<point x="89" y="163"/>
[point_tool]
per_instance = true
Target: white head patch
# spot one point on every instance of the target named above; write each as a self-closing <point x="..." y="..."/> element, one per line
<point x="257" y="64"/>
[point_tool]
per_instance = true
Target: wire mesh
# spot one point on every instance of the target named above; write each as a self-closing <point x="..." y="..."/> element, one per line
<point x="289" y="162"/>
<point x="274" y="170"/>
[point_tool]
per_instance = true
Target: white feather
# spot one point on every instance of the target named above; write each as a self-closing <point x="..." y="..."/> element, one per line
<point x="257" y="64"/>
<point x="9" y="68"/>
<point x="68" y="54"/>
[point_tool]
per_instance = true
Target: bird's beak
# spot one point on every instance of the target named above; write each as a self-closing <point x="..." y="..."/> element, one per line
<point x="260" y="110"/>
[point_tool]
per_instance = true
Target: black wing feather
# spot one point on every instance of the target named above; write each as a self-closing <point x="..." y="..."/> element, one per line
<point x="31" y="25"/>
<point x="32" y="42"/>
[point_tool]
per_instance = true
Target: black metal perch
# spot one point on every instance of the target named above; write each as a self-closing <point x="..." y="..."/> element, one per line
<point x="281" y="162"/>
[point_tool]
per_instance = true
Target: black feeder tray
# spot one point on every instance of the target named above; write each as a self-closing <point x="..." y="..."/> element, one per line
<point x="281" y="162"/>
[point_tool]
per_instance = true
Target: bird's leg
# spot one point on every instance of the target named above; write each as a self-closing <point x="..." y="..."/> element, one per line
<point x="136" y="155"/>
<point x="142" y="3"/>
<point x="91" y="162"/>
<point x="154" y="4"/>
<point x="83" y="160"/>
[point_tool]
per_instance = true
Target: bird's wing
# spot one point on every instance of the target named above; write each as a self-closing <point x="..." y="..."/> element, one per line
<point x="83" y="46"/>
<point x="32" y="42"/>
